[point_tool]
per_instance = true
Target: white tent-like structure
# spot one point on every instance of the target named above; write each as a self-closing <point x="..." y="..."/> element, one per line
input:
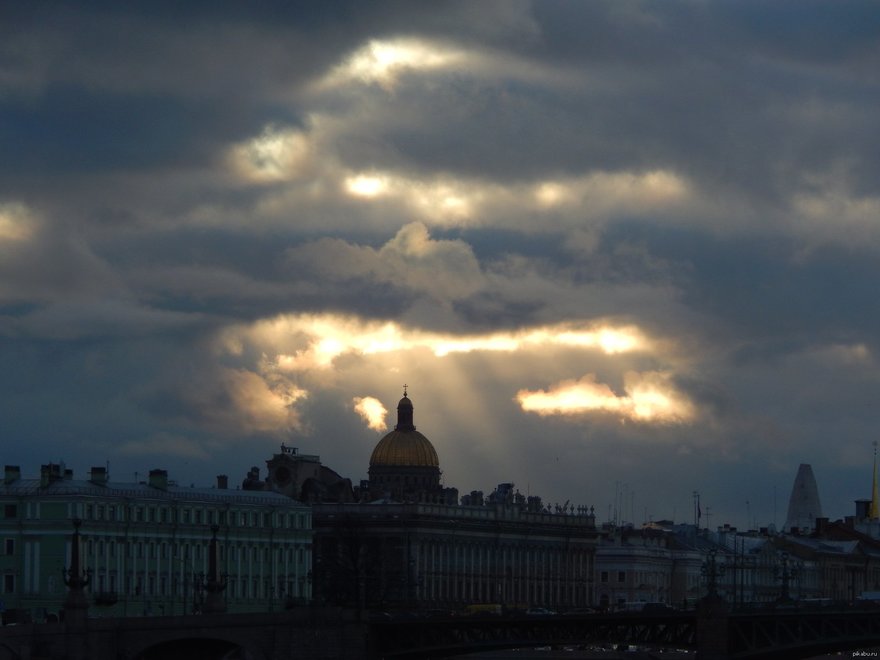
<point x="803" y="506"/>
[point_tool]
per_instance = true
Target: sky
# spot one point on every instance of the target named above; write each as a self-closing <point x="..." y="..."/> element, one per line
<point x="618" y="252"/>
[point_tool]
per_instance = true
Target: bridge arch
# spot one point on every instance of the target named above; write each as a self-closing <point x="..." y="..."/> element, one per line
<point x="7" y="653"/>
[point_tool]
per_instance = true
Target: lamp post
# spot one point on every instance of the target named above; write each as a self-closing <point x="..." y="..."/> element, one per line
<point x="784" y="573"/>
<point x="215" y="583"/>
<point x="711" y="570"/>
<point x="76" y="580"/>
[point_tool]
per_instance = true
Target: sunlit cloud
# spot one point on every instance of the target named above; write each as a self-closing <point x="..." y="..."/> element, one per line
<point x="450" y="199"/>
<point x="439" y="199"/>
<point x="243" y="401"/>
<point x="313" y="341"/>
<point x="382" y="62"/>
<point x="276" y="154"/>
<point x="649" y="397"/>
<point x="371" y="411"/>
<point x="613" y="190"/>
<point x="441" y="269"/>
<point x="16" y="223"/>
<point x="366" y="186"/>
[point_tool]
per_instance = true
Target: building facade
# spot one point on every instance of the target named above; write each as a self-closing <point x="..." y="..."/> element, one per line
<point x="145" y="545"/>
<point x="424" y="556"/>
<point x="648" y="565"/>
<point x="408" y="543"/>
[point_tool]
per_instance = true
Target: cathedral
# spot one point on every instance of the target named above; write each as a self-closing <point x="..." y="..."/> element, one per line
<point x="404" y="541"/>
<point x="404" y="466"/>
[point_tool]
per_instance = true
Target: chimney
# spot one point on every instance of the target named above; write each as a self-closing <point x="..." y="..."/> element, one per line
<point x="222" y="481"/>
<point x="98" y="476"/>
<point x="12" y="474"/>
<point x="821" y="526"/>
<point x="159" y="479"/>
<point x="50" y="473"/>
<point x="68" y="475"/>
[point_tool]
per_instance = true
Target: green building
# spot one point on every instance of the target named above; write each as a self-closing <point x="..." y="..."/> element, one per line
<point x="145" y="546"/>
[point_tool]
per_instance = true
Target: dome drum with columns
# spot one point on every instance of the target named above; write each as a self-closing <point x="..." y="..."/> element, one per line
<point x="404" y="466"/>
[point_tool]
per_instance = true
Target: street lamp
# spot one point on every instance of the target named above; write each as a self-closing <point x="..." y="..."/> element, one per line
<point x="785" y="574"/>
<point x="711" y="570"/>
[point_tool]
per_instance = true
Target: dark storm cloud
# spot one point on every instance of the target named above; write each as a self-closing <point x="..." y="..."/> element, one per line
<point x="182" y="232"/>
<point x="769" y="296"/>
<point x="679" y="85"/>
<point x="75" y="130"/>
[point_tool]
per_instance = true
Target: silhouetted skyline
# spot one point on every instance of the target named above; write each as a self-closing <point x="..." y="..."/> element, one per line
<point x="611" y="247"/>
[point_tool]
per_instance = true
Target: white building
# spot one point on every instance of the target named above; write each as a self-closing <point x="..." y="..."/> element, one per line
<point x="146" y="544"/>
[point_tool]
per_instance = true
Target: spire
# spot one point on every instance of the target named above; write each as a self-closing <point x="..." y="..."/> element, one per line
<point x="874" y="512"/>
<point x="405" y="414"/>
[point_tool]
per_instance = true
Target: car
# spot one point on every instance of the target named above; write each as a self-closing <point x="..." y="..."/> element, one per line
<point x="539" y="611"/>
<point x="579" y="611"/>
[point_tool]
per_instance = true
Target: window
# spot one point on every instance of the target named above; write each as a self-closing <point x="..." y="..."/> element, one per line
<point x="10" y="546"/>
<point x="9" y="583"/>
<point x="621" y="576"/>
<point x="603" y="576"/>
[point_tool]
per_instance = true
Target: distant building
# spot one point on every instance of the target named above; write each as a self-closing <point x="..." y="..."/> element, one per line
<point x="301" y="477"/>
<point x="648" y="565"/>
<point x="146" y="544"/>
<point x="803" y="505"/>
<point x="408" y="543"/>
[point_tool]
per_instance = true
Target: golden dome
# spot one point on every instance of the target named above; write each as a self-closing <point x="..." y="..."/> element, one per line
<point x="405" y="448"/>
<point x="404" y="445"/>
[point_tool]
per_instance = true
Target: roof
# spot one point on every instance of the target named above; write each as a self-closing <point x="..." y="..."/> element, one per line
<point x="142" y="491"/>
<point x="405" y="448"/>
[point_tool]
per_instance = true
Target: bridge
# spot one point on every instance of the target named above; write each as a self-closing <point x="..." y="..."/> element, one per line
<point x="301" y="634"/>
<point x="313" y="633"/>
<point x="756" y="635"/>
